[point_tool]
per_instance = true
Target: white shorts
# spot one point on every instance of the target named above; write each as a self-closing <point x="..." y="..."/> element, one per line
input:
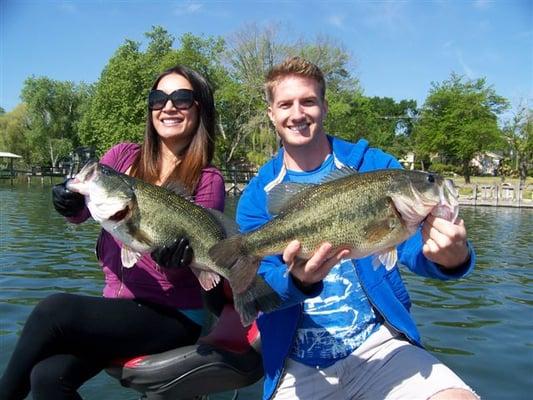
<point x="385" y="366"/>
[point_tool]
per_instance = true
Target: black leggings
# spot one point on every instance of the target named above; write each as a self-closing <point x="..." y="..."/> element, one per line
<point x="69" y="338"/>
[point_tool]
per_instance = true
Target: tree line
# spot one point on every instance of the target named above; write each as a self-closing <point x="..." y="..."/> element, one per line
<point x="459" y="118"/>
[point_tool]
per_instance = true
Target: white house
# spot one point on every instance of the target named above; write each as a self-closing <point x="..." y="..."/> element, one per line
<point x="487" y="162"/>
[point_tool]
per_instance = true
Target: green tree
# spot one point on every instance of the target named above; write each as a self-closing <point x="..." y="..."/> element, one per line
<point x="246" y="130"/>
<point x="519" y="135"/>
<point x="459" y="119"/>
<point x="13" y="133"/>
<point x="393" y="124"/>
<point x="252" y="51"/>
<point x="117" y="109"/>
<point x="53" y="111"/>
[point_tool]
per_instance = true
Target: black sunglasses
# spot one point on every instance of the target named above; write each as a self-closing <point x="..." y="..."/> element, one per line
<point x="182" y="99"/>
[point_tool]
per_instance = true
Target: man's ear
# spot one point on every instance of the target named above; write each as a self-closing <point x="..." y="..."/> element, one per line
<point x="325" y="108"/>
<point x="269" y="112"/>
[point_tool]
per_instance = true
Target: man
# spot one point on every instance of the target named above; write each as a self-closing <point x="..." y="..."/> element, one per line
<point x="344" y="330"/>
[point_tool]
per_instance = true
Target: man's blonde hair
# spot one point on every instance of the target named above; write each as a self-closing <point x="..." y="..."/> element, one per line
<point x="293" y="66"/>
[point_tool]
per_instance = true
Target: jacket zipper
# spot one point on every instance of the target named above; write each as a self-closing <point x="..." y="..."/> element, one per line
<point x="376" y="307"/>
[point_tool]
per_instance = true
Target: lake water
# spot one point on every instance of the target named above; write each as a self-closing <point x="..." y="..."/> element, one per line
<point x="481" y="326"/>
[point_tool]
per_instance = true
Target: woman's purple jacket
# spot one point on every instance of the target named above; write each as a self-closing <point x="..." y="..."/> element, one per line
<point x="146" y="280"/>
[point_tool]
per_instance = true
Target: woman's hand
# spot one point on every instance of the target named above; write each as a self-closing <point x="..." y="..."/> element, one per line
<point x="179" y="254"/>
<point x="67" y="203"/>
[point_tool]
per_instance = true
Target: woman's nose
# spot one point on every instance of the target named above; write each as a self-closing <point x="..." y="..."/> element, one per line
<point x="168" y="105"/>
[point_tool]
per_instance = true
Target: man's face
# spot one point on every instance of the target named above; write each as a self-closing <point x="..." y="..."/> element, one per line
<point x="297" y="110"/>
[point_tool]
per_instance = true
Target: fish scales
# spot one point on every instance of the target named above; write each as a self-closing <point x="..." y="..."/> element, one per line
<point x="334" y="211"/>
<point x="159" y="207"/>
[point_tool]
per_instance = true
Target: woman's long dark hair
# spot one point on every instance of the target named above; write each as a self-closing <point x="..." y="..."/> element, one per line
<point x="198" y="154"/>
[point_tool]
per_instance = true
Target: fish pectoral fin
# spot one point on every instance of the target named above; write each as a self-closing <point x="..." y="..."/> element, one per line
<point x="376" y="230"/>
<point x="388" y="258"/>
<point x="208" y="279"/>
<point x="129" y="257"/>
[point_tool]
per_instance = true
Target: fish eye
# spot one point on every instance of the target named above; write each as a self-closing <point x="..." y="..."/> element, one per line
<point x="431" y="178"/>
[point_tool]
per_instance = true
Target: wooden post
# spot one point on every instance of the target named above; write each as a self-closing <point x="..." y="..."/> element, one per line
<point x="234" y="176"/>
<point x="11" y="172"/>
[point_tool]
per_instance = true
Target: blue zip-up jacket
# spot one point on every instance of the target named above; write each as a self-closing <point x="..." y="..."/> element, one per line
<point x="384" y="289"/>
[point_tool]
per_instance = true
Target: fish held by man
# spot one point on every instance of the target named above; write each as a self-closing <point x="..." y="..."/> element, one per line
<point x="145" y="217"/>
<point x="367" y="213"/>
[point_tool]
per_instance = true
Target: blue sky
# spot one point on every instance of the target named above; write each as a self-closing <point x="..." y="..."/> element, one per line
<point x="397" y="48"/>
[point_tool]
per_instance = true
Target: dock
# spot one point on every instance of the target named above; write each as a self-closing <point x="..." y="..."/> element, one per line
<point x="496" y="195"/>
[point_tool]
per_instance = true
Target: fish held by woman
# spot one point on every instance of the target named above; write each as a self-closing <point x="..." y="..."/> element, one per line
<point x="145" y="217"/>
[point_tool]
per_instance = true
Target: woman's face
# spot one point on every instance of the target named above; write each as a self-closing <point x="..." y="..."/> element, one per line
<point x="170" y="123"/>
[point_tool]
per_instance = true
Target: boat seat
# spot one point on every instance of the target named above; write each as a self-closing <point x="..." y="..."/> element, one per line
<point x="228" y="358"/>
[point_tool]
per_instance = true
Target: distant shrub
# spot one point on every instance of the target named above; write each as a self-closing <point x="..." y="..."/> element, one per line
<point x="444" y="169"/>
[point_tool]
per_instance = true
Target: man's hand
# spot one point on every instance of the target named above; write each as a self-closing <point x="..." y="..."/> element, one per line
<point x="445" y="242"/>
<point x="313" y="270"/>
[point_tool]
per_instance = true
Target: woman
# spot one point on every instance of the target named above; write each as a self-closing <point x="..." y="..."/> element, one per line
<point x="146" y="309"/>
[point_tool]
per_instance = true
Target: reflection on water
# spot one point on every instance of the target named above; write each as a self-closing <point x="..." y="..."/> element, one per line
<point x="481" y="326"/>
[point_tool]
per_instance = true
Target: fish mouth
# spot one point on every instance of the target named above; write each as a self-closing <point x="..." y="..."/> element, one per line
<point x="442" y="204"/>
<point x="78" y="182"/>
<point x="448" y="206"/>
<point x="105" y="195"/>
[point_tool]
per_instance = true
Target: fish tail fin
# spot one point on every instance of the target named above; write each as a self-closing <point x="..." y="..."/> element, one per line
<point x="231" y="255"/>
<point x="226" y="252"/>
<point x="259" y="297"/>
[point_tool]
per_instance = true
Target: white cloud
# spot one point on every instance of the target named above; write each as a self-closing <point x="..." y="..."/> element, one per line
<point x="336" y="20"/>
<point x="469" y="72"/>
<point x="449" y="44"/>
<point x="482" y="4"/>
<point x="68" y="6"/>
<point x="524" y="35"/>
<point x="188" y="8"/>
<point x="389" y="16"/>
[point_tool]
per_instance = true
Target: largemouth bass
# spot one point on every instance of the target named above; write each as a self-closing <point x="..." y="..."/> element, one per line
<point x="145" y="217"/>
<point x="367" y="213"/>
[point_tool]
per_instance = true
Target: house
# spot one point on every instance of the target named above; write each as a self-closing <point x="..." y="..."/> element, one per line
<point x="487" y="163"/>
<point x="408" y="161"/>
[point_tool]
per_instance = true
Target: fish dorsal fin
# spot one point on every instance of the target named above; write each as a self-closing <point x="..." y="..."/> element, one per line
<point x="339" y="173"/>
<point x="283" y="194"/>
<point x="129" y="257"/>
<point x="229" y="225"/>
<point x="179" y="189"/>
